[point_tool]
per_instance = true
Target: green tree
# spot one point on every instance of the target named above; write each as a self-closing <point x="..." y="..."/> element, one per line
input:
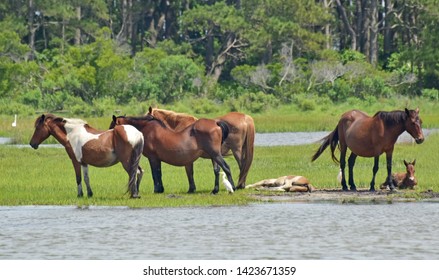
<point x="217" y="32"/>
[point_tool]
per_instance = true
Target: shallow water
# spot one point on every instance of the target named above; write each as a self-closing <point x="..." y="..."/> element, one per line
<point x="272" y="139"/>
<point x="258" y="231"/>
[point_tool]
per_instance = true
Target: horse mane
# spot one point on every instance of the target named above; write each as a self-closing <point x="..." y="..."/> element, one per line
<point x="147" y="117"/>
<point x="393" y="117"/>
<point x="47" y="116"/>
<point x="174" y="116"/>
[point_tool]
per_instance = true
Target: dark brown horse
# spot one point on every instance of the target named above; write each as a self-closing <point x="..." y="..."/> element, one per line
<point x="180" y="148"/>
<point x="240" y="140"/>
<point x="369" y="136"/>
<point x="88" y="146"/>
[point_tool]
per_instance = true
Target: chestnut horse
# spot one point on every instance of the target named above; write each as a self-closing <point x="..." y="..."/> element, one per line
<point x="240" y="140"/>
<point x="369" y="136"/>
<point x="88" y="146"/>
<point x="180" y="148"/>
<point x="404" y="180"/>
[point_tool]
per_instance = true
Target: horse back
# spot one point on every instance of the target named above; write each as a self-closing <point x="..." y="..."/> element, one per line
<point x="207" y="128"/>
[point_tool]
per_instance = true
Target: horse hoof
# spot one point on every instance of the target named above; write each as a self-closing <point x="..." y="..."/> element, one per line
<point x="214" y="192"/>
<point x="135" y="196"/>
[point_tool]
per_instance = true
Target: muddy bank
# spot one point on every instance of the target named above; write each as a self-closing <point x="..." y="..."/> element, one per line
<point x="339" y="196"/>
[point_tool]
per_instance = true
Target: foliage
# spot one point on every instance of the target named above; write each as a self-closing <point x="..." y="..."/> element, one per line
<point x="249" y="55"/>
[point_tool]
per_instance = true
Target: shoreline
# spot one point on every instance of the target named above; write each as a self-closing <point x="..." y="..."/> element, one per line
<point x="338" y="196"/>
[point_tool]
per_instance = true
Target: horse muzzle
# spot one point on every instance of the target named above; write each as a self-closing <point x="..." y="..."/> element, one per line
<point x="419" y="140"/>
<point x="35" y="146"/>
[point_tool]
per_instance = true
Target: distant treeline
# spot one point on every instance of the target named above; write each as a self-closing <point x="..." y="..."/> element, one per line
<point x="82" y="55"/>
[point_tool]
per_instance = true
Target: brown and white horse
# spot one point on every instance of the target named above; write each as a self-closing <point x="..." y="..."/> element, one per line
<point x="182" y="148"/>
<point x="88" y="146"/>
<point x="369" y="136"/>
<point x="240" y="140"/>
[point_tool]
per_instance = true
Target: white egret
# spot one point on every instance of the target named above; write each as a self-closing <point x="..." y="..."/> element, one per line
<point x="226" y="182"/>
<point x="14" y="124"/>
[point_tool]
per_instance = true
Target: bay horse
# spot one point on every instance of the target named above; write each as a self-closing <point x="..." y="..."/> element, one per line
<point x="404" y="180"/>
<point x="88" y="146"/>
<point x="369" y="136"/>
<point x="240" y="140"/>
<point x="180" y="148"/>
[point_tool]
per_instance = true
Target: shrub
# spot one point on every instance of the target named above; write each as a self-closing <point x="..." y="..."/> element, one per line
<point x="430" y="93"/>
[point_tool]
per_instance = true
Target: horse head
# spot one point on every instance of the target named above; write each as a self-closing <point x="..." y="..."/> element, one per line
<point x="410" y="168"/>
<point x="117" y="121"/>
<point x="42" y="131"/>
<point x="413" y="125"/>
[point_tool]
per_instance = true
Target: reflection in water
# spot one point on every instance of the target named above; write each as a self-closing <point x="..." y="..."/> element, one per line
<point x="259" y="231"/>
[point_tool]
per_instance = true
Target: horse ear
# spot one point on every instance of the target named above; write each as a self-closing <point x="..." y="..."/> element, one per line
<point x="417" y="110"/>
<point x="114" y="118"/>
<point x="414" y="161"/>
<point x="42" y="118"/>
<point x="407" y="112"/>
<point x="150" y="109"/>
<point x="406" y="163"/>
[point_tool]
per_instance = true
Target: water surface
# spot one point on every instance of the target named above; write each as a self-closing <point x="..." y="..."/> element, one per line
<point x="259" y="231"/>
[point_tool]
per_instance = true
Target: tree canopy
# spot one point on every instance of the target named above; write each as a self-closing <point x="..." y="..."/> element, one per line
<point x="56" y="54"/>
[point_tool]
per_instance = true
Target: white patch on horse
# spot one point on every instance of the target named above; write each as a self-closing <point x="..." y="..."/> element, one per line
<point x="133" y="135"/>
<point x="78" y="136"/>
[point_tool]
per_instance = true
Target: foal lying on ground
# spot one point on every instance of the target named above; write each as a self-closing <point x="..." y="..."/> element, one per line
<point x="289" y="183"/>
<point x="404" y="180"/>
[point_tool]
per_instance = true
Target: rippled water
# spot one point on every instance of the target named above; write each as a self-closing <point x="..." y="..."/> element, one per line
<point x="259" y="231"/>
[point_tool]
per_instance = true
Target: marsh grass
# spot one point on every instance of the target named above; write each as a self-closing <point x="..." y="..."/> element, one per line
<point x="285" y="118"/>
<point x="46" y="177"/>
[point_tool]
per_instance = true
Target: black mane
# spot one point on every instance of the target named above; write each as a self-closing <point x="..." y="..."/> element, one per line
<point x="392" y="118"/>
<point x="145" y="118"/>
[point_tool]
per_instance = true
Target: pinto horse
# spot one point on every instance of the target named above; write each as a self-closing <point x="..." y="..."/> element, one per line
<point x="369" y="136"/>
<point x="180" y="148"/>
<point x="240" y="140"/>
<point x="88" y="146"/>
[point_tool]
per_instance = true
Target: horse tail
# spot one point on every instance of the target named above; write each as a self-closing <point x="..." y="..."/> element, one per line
<point x="136" y="155"/>
<point x="247" y="152"/>
<point x="330" y="140"/>
<point x="225" y="130"/>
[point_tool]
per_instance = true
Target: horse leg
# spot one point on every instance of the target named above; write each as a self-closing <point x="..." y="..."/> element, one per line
<point x="237" y="154"/>
<point x="375" y="170"/>
<point x="190" y="176"/>
<point x="216" y="170"/>
<point x="389" y="170"/>
<point x="225" y="167"/>
<point x="156" y="171"/>
<point x="351" y="163"/>
<point x="342" y="167"/>
<point x="87" y="180"/>
<point x="139" y="177"/>
<point x="77" y="168"/>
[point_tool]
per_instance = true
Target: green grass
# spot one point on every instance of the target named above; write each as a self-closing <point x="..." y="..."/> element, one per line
<point x="285" y="118"/>
<point x="46" y="177"/>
